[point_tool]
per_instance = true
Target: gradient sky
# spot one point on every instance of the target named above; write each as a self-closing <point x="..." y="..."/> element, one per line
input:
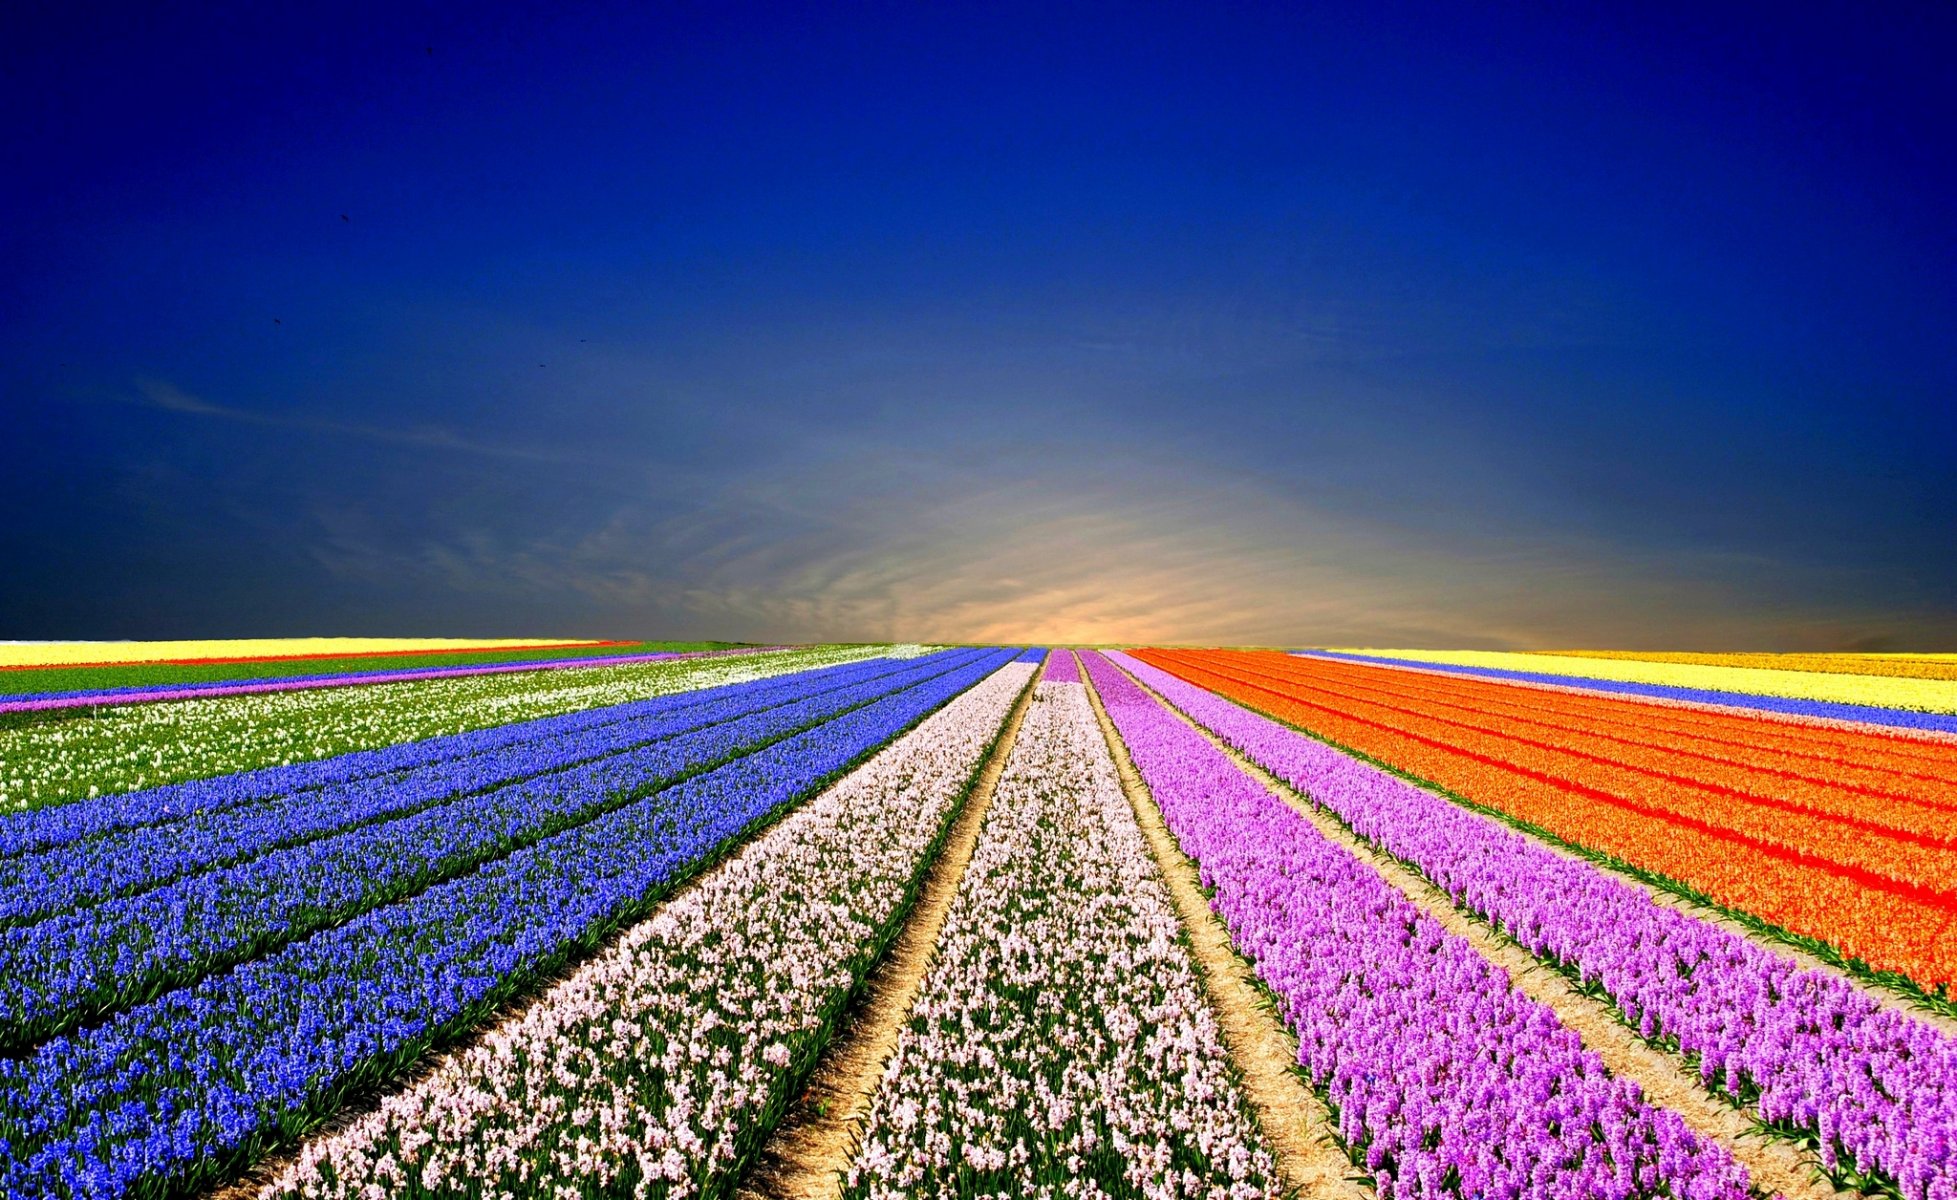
<point x="1346" y="324"/>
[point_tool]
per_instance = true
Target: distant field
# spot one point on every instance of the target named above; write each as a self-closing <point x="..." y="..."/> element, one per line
<point x="33" y="654"/>
<point x="892" y="921"/>
<point x="20" y="680"/>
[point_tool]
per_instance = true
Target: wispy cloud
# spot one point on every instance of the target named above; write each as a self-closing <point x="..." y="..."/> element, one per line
<point x="167" y="397"/>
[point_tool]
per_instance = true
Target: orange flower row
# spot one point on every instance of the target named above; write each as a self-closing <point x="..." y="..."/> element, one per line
<point x="1906" y="807"/>
<point x="1872" y="896"/>
<point x="1892" y="763"/>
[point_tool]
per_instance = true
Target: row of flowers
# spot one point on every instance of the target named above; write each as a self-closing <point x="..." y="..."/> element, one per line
<point x="1922" y="666"/>
<point x="99" y="697"/>
<point x="123" y="862"/>
<point x="1863" y="781"/>
<point x="1061" y="1044"/>
<point x="1915" y="768"/>
<point x="658" y="1067"/>
<point x="58" y="972"/>
<point x="190" y="1085"/>
<point x="1444" y="1079"/>
<point x="56" y="825"/>
<point x="146" y="745"/>
<point x="18" y="656"/>
<point x="1871" y="1089"/>
<point x="1878" y="898"/>
<point x="1901" y="704"/>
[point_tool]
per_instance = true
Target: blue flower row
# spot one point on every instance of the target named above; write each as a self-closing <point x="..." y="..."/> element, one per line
<point x="74" y="967"/>
<point x="34" y="887"/>
<point x="45" y="828"/>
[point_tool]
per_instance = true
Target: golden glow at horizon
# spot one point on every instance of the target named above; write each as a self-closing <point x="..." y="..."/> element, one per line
<point x="56" y="654"/>
<point x="1888" y="691"/>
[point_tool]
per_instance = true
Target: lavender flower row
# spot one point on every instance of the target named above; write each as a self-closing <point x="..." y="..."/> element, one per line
<point x="679" y="685"/>
<point x="36" y="886"/>
<point x="1445" y="1079"/>
<point x="196" y="1083"/>
<point x="659" y="1066"/>
<point x="1875" y="1088"/>
<point x="1061" y="1044"/>
<point x="56" y="972"/>
<point x="1870" y="714"/>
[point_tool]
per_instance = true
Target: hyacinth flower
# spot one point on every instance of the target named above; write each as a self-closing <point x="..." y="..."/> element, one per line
<point x="1852" y="882"/>
<point x="38" y="830"/>
<point x="136" y="746"/>
<point x="56" y="972"/>
<point x="1813" y="1053"/>
<point x="194" y="1084"/>
<point x="132" y="860"/>
<point x="1061" y="1043"/>
<point x="1444" y="1079"/>
<point x="657" y="1067"/>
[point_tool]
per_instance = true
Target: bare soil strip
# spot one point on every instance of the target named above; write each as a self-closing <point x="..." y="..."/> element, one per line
<point x="1776" y="1166"/>
<point x="805" y="1157"/>
<point x="1292" y="1118"/>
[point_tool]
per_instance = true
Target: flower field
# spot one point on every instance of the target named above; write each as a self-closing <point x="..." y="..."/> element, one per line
<point x="697" y="923"/>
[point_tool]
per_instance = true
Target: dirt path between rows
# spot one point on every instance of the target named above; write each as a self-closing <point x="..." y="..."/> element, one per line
<point x="1292" y="1118"/>
<point x="1776" y="1166"/>
<point x="805" y="1157"/>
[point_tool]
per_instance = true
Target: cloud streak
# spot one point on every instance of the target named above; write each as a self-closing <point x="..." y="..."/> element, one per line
<point x="167" y="397"/>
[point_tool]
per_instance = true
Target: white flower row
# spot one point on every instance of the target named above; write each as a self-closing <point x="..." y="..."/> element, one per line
<point x="1061" y="1044"/>
<point x="660" y="1064"/>
<point x="144" y="745"/>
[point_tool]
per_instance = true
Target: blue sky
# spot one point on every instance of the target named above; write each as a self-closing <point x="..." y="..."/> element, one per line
<point x="1383" y="324"/>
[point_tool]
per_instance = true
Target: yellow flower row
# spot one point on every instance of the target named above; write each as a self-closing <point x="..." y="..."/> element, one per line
<point x="1902" y="666"/>
<point x="56" y="654"/>
<point x="1889" y="691"/>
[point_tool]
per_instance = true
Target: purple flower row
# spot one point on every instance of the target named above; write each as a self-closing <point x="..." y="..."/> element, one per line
<point x="1061" y="667"/>
<point x="56" y="972"/>
<point x="45" y="828"/>
<point x="193" y="1085"/>
<point x="126" y="862"/>
<point x="1874" y="1087"/>
<point x="1446" y="1081"/>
